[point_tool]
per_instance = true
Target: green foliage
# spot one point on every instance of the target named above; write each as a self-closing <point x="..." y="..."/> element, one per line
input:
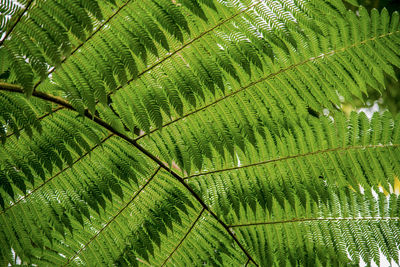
<point x="196" y="132"/>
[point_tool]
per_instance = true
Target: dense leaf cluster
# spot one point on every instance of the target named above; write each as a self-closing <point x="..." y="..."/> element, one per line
<point x="196" y="132"/>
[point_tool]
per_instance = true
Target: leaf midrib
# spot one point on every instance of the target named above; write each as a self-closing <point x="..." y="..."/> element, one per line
<point x="148" y="154"/>
<point x="16" y="22"/>
<point x="83" y="43"/>
<point x="33" y="190"/>
<point x="272" y="75"/>
<point x="114" y="217"/>
<point x="184" y="237"/>
<point x="301" y="220"/>
<point x="317" y="152"/>
<point x="156" y="63"/>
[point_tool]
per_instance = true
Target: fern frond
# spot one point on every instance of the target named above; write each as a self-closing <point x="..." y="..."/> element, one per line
<point x="191" y="132"/>
<point x="363" y="233"/>
<point x="45" y="45"/>
<point x="341" y="65"/>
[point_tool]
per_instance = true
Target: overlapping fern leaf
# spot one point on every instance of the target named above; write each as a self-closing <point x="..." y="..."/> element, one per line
<point x="191" y="132"/>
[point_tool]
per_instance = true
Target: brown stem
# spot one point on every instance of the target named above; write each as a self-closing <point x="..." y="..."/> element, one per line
<point x="190" y="42"/>
<point x="60" y="101"/>
<point x="271" y="75"/>
<point x="315" y="219"/>
<point x="187" y="233"/>
<point x="292" y="157"/>
<point x="51" y="98"/>
<point x="87" y="39"/>
<point x="54" y="176"/>
<point x="113" y="218"/>
<point x="39" y="118"/>
<point x="163" y="59"/>
<point x="16" y="22"/>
